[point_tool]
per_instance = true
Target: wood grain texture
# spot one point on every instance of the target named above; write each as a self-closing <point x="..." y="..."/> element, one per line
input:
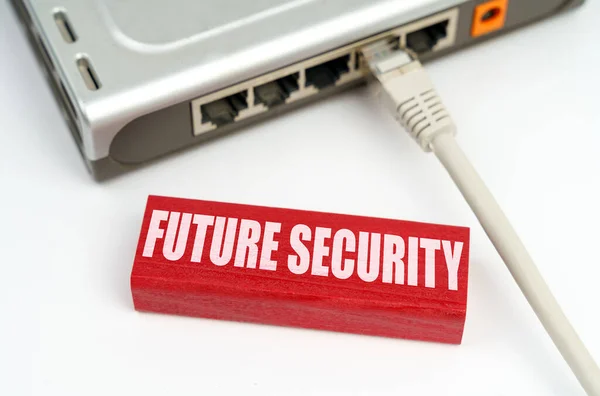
<point x="304" y="269"/>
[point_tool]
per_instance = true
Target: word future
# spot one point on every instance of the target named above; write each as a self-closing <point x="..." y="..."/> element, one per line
<point x="297" y="268"/>
<point x="372" y="256"/>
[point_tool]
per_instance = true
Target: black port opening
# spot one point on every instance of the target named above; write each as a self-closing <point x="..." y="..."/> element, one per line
<point x="358" y="58"/>
<point x="424" y="40"/>
<point x="224" y="111"/>
<point x="276" y="92"/>
<point x="326" y="74"/>
<point x="491" y="14"/>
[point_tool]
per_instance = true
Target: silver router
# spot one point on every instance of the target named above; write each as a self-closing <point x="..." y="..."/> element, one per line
<point x="138" y="79"/>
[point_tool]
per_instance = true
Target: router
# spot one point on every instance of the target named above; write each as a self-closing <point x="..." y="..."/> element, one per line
<point x="140" y="79"/>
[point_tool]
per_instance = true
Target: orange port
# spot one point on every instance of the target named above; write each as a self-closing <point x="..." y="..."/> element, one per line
<point x="489" y="17"/>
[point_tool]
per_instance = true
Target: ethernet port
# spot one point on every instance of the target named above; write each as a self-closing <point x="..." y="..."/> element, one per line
<point x="224" y="111"/>
<point x="424" y="40"/>
<point x="326" y="74"/>
<point x="276" y="92"/>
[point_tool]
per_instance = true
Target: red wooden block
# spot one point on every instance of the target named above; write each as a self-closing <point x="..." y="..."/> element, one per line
<point x="305" y="269"/>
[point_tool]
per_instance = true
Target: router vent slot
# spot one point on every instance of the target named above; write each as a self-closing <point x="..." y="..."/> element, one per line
<point x="64" y="27"/>
<point x="69" y="104"/>
<point x="88" y="74"/>
<point x="44" y="54"/>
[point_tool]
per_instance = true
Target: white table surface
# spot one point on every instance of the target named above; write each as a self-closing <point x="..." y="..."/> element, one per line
<point x="528" y="112"/>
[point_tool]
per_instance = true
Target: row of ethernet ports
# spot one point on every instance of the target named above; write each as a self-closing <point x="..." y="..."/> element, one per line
<point x="277" y="92"/>
<point x="308" y="78"/>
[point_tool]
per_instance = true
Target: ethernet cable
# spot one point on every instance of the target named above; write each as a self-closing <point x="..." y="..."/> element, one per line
<point x="410" y="96"/>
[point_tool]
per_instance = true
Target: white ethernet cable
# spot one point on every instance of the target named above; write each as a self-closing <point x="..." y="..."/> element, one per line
<point x="409" y="94"/>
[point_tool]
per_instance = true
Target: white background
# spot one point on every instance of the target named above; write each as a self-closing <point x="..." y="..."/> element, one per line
<point x="527" y="110"/>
